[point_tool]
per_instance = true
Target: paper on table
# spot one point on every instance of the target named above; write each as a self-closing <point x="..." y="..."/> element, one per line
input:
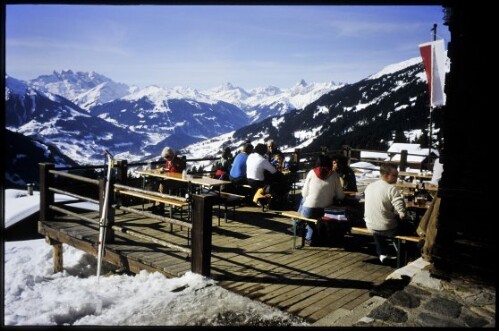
<point x="339" y="217"/>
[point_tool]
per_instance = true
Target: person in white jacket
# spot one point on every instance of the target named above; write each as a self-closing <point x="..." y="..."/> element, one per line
<point x="384" y="208"/>
<point x="321" y="187"/>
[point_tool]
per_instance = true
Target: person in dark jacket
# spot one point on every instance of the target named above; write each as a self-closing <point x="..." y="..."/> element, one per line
<point x="346" y="174"/>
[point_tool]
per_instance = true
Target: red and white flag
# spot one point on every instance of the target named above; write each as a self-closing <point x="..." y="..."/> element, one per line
<point x="433" y="54"/>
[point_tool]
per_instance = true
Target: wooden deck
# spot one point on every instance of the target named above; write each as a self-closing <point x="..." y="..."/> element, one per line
<point x="251" y="255"/>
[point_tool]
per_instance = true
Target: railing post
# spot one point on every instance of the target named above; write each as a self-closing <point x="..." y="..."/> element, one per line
<point x="122" y="175"/>
<point x="347" y="152"/>
<point x="295" y="159"/>
<point x="46" y="196"/>
<point x="403" y="160"/>
<point x="110" y="211"/>
<point x="201" y="234"/>
<point x="121" y="178"/>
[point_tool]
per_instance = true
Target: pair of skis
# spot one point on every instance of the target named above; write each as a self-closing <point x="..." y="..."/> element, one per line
<point x="103" y="220"/>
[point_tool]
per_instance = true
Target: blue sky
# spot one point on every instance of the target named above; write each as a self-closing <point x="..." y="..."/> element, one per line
<point x="206" y="46"/>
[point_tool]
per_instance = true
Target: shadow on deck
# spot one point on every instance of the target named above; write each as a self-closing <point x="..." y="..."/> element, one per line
<point x="251" y="255"/>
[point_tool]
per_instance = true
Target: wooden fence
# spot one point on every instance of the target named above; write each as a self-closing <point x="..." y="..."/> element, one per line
<point x="56" y="181"/>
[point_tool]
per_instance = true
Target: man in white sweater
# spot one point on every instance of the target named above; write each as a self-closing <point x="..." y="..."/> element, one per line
<point x="384" y="207"/>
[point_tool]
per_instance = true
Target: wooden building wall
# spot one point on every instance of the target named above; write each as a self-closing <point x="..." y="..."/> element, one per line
<point x="464" y="241"/>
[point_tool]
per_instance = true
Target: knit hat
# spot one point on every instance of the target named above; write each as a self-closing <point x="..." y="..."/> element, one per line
<point x="167" y="151"/>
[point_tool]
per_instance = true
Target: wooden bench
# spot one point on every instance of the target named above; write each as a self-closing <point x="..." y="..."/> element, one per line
<point x="294" y="215"/>
<point x="167" y="201"/>
<point x="398" y="241"/>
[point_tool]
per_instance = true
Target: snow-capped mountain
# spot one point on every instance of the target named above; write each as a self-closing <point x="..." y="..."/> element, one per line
<point x="86" y="89"/>
<point x="161" y="116"/>
<point x="261" y="103"/>
<point x="161" y="113"/>
<point x="229" y="93"/>
<point x="58" y="122"/>
<point x="90" y="89"/>
<point x="370" y="114"/>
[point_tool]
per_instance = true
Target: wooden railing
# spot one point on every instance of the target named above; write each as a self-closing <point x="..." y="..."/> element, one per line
<point x="51" y="183"/>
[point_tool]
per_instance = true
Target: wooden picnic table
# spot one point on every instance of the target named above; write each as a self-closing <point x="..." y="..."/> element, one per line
<point x="189" y="180"/>
<point x="193" y="179"/>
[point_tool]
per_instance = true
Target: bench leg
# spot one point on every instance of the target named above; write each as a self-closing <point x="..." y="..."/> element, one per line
<point x="397" y="244"/>
<point x="294" y="234"/>
<point x="219" y="216"/>
<point x="181" y="218"/>
<point x="225" y="214"/>
<point x="171" y="216"/>
<point x="295" y="230"/>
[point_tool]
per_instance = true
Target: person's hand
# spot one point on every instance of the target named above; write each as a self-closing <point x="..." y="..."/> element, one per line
<point x="402" y="216"/>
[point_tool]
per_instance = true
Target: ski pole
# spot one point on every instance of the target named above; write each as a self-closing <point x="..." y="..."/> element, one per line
<point x="103" y="219"/>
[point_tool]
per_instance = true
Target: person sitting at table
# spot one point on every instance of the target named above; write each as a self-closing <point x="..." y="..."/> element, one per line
<point x="384" y="209"/>
<point x="280" y="183"/>
<point x="279" y="162"/>
<point x="272" y="150"/>
<point x="223" y="166"/>
<point x="173" y="162"/>
<point x="237" y="173"/>
<point x="259" y="171"/>
<point x="321" y="188"/>
<point x="346" y="174"/>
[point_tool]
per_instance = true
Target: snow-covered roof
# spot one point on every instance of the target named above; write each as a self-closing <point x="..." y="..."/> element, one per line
<point x="20" y="205"/>
<point x="414" y="151"/>
<point x="364" y="165"/>
<point x="373" y="155"/>
<point x="410" y="148"/>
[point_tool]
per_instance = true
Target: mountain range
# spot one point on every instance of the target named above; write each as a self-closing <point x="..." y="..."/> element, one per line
<point x="81" y="114"/>
<point x="386" y="107"/>
<point x="140" y="121"/>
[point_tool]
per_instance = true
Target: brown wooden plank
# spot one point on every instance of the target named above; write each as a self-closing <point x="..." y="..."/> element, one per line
<point x="298" y="294"/>
<point x="313" y="303"/>
<point x="251" y="256"/>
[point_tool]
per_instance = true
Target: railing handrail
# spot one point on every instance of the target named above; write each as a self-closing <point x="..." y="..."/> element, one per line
<point x="73" y="176"/>
<point x="201" y="231"/>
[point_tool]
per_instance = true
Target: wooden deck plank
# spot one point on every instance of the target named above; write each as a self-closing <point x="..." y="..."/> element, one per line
<point x="357" y="301"/>
<point x="342" y="297"/>
<point x="288" y="291"/>
<point x="300" y="267"/>
<point x="293" y="260"/>
<point x="299" y="294"/>
<point x="311" y="304"/>
<point x="251" y="255"/>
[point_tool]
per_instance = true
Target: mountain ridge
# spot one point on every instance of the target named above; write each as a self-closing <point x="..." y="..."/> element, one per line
<point x="391" y="105"/>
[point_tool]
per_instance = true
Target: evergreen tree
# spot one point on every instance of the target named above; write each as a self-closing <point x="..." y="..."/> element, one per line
<point x="399" y="136"/>
<point x="423" y="139"/>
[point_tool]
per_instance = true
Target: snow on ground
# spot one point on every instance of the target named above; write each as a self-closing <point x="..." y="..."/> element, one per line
<point x="34" y="295"/>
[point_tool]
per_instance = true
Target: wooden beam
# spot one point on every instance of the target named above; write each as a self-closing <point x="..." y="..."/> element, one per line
<point x="58" y="260"/>
<point x="201" y="233"/>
